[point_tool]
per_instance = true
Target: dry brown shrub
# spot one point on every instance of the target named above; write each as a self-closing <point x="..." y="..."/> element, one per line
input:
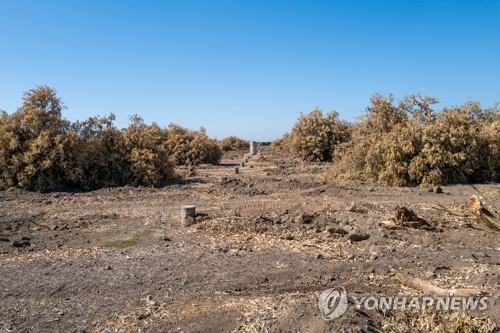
<point x="103" y="158"/>
<point x="490" y="136"/>
<point x="380" y="144"/>
<point x="436" y="321"/>
<point x="33" y="142"/>
<point x="410" y="144"/>
<point x="314" y="136"/>
<point x="188" y="147"/>
<point x="149" y="156"/>
<point x="281" y="144"/>
<point x="233" y="143"/>
<point x="40" y="150"/>
<point x="451" y="151"/>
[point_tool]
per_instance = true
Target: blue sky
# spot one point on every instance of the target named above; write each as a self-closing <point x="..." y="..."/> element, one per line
<point x="246" y="67"/>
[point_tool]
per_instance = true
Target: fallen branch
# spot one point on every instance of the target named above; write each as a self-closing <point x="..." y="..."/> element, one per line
<point x="311" y="245"/>
<point x="40" y="225"/>
<point x="449" y="211"/>
<point x="58" y="289"/>
<point x="433" y="290"/>
<point x="99" y="219"/>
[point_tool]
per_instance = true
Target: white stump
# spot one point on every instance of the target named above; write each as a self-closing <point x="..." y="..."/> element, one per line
<point x="188" y="213"/>
<point x="253" y="147"/>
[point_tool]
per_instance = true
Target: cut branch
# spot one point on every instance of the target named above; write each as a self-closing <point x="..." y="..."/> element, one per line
<point x="433" y="290"/>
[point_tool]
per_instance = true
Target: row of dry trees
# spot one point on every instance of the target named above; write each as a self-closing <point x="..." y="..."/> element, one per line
<point x="401" y="144"/>
<point x="41" y="150"/>
<point x="406" y="143"/>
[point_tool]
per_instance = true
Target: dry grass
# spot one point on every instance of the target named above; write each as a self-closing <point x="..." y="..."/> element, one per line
<point x="6" y="259"/>
<point x="436" y="322"/>
<point x="255" y="314"/>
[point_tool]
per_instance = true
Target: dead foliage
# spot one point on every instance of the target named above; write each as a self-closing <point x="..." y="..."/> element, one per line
<point x="33" y="142"/>
<point x="148" y="153"/>
<point x="314" y="136"/>
<point x="188" y="147"/>
<point x="436" y="322"/>
<point x="232" y="143"/>
<point x="408" y="144"/>
<point x="40" y="150"/>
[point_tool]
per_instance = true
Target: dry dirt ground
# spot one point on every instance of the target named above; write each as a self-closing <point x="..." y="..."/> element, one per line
<point x="266" y="242"/>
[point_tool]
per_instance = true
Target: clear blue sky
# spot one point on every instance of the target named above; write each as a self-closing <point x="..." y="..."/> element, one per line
<point x="245" y="67"/>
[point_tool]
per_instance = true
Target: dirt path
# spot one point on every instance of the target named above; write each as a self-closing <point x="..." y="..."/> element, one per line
<point x="267" y="242"/>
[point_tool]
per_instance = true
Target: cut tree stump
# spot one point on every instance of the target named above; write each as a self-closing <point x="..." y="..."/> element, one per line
<point x="188" y="214"/>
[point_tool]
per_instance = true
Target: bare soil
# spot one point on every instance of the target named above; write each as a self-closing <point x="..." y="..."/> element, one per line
<point x="265" y="243"/>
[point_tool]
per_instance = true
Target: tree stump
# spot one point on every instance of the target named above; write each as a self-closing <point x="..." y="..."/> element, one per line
<point x="236" y="170"/>
<point x="188" y="214"/>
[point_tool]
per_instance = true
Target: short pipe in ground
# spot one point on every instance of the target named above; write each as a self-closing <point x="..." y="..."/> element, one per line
<point x="253" y="147"/>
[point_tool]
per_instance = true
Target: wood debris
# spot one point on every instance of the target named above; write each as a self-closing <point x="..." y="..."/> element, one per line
<point x="483" y="215"/>
<point x="433" y="290"/>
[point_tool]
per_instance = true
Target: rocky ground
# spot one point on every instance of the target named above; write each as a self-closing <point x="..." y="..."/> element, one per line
<point x="264" y="245"/>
